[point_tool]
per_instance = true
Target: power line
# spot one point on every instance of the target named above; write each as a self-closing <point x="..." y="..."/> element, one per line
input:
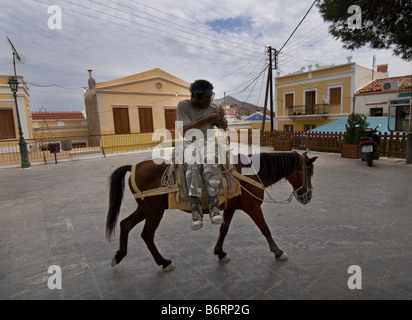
<point x="213" y="37"/>
<point x="192" y="22"/>
<point x="297" y="26"/>
<point x="171" y="36"/>
<point x="53" y="85"/>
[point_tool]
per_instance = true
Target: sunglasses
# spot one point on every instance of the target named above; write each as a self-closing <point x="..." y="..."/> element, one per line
<point x="206" y="96"/>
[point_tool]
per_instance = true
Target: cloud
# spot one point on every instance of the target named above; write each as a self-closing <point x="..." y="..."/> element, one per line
<point x="221" y="41"/>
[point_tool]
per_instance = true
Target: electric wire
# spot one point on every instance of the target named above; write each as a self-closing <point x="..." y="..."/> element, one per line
<point x="186" y="30"/>
<point x="194" y="23"/>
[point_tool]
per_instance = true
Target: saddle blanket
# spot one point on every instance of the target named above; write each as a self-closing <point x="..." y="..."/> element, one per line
<point x="180" y="199"/>
<point x="175" y="201"/>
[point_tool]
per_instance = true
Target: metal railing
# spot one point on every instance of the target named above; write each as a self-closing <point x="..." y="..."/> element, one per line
<point x="307" y="110"/>
<point x="42" y="150"/>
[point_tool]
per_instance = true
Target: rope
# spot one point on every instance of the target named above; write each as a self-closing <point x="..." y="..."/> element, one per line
<point x="167" y="177"/>
<point x="262" y="187"/>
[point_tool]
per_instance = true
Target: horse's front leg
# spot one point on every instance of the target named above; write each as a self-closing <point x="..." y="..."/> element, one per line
<point x="227" y="218"/>
<point x="257" y="216"/>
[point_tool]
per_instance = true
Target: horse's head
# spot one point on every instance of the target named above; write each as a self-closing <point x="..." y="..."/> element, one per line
<point x="301" y="180"/>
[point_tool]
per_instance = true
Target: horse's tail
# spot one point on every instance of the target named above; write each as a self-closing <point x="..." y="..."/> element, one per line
<point x="116" y="184"/>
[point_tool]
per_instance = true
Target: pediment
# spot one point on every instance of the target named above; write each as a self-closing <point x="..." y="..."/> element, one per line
<point x="154" y="81"/>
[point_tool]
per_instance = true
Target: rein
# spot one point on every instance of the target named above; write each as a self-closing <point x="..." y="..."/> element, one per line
<point x="294" y="193"/>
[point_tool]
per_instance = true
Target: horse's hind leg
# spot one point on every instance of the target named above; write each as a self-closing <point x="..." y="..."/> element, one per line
<point x="126" y="226"/>
<point x="227" y="218"/>
<point x="149" y="229"/>
<point x="257" y="216"/>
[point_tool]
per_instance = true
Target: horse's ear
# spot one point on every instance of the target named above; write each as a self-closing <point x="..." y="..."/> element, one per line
<point x="312" y="160"/>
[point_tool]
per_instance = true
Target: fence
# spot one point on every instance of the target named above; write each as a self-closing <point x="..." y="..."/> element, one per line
<point x="39" y="150"/>
<point x="393" y="144"/>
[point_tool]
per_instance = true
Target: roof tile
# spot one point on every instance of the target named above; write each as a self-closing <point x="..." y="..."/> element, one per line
<point x="58" y="115"/>
<point x="404" y="82"/>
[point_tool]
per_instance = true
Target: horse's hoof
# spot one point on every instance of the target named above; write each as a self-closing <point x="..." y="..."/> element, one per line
<point x="283" y="257"/>
<point x="225" y="259"/>
<point x="114" y="262"/>
<point x="170" y="267"/>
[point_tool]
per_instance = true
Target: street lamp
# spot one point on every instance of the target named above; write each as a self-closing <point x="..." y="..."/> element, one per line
<point x="14" y="85"/>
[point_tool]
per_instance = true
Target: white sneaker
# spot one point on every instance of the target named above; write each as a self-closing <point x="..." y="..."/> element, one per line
<point x="215" y="216"/>
<point x="197" y="218"/>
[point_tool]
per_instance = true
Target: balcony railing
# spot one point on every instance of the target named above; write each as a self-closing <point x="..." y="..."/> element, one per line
<point x="316" y="109"/>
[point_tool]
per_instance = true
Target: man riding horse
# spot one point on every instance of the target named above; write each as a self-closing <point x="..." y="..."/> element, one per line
<point x="202" y="114"/>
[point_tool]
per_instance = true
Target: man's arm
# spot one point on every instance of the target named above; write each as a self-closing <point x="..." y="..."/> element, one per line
<point x="212" y="118"/>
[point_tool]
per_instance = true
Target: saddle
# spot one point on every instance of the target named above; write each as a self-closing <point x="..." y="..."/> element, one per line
<point x="180" y="199"/>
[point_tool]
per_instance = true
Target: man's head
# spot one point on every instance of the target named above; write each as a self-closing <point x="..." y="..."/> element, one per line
<point x="202" y="93"/>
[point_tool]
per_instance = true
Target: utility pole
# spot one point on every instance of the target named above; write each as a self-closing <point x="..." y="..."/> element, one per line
<point x="269" y="90"/>
<point x="409" y="142"/>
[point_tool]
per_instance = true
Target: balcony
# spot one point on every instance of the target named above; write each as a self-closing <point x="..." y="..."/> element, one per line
<point x="310" y="110"/>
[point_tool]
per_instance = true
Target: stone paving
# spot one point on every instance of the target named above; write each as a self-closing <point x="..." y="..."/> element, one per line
<point x="55" y="215"/>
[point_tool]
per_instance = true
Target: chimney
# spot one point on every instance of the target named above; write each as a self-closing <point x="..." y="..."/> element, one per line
<point x="92" y="82"/>
<point x="382" y="68"/>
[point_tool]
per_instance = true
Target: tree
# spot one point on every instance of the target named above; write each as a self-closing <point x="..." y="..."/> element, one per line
<point x="355" y="125"/>
<point x="384" y="24"/>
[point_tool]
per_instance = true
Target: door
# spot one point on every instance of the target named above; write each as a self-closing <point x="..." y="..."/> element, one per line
<point x="310" y="102"/>
<point x="145" y="120"/>
<point x="121" y="120"/>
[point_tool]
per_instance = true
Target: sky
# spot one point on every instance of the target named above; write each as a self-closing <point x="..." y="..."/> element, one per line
<point x="222" y="41"/>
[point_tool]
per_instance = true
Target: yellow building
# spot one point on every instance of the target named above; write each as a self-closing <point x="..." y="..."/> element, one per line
<point x="141" y="103"/>
<point x="8" y="117"/>
<point x="309" y="99"/>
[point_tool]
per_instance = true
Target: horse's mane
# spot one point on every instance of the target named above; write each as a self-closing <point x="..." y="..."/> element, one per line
<point x="276" y="166"/>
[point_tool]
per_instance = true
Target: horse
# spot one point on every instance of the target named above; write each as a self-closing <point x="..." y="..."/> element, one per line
<point x="294" y="167"/>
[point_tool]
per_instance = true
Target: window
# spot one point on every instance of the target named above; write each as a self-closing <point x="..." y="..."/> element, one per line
<point x="308" y="127"/>
<point x="121" y="120"/>
<point x="376" y="112"/>
<point x="289" y="97"/>
<point x="335" y="95"/>
<point x="145" y="120"/>
<point x="288" y="128"/>
<point x="7" y="128"/>
<point x="289" y="100"/>
<point x="170" y="119"/>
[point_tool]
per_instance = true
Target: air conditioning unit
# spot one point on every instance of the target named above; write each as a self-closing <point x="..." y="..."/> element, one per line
<point x="389" y="85"/>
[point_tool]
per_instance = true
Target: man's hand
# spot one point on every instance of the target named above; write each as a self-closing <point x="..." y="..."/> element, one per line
<point x="213" y="118"/>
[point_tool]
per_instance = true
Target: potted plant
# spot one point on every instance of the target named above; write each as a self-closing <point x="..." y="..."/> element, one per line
<point x="282" y="143"/>
<point x="355" y="125"/>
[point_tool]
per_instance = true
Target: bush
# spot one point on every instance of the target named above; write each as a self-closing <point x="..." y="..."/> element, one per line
<point x="353" y="133"/>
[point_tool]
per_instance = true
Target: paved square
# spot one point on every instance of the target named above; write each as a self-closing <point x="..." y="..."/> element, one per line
<point x="55" y="215"/>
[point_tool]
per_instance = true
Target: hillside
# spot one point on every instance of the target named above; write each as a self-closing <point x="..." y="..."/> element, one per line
<point x="243" y="108"/>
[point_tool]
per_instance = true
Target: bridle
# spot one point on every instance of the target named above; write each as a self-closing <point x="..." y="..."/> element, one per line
<point x="306" y="184"/>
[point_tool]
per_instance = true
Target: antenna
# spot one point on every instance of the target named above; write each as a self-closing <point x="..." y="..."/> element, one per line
<point x="15" y="55"/>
